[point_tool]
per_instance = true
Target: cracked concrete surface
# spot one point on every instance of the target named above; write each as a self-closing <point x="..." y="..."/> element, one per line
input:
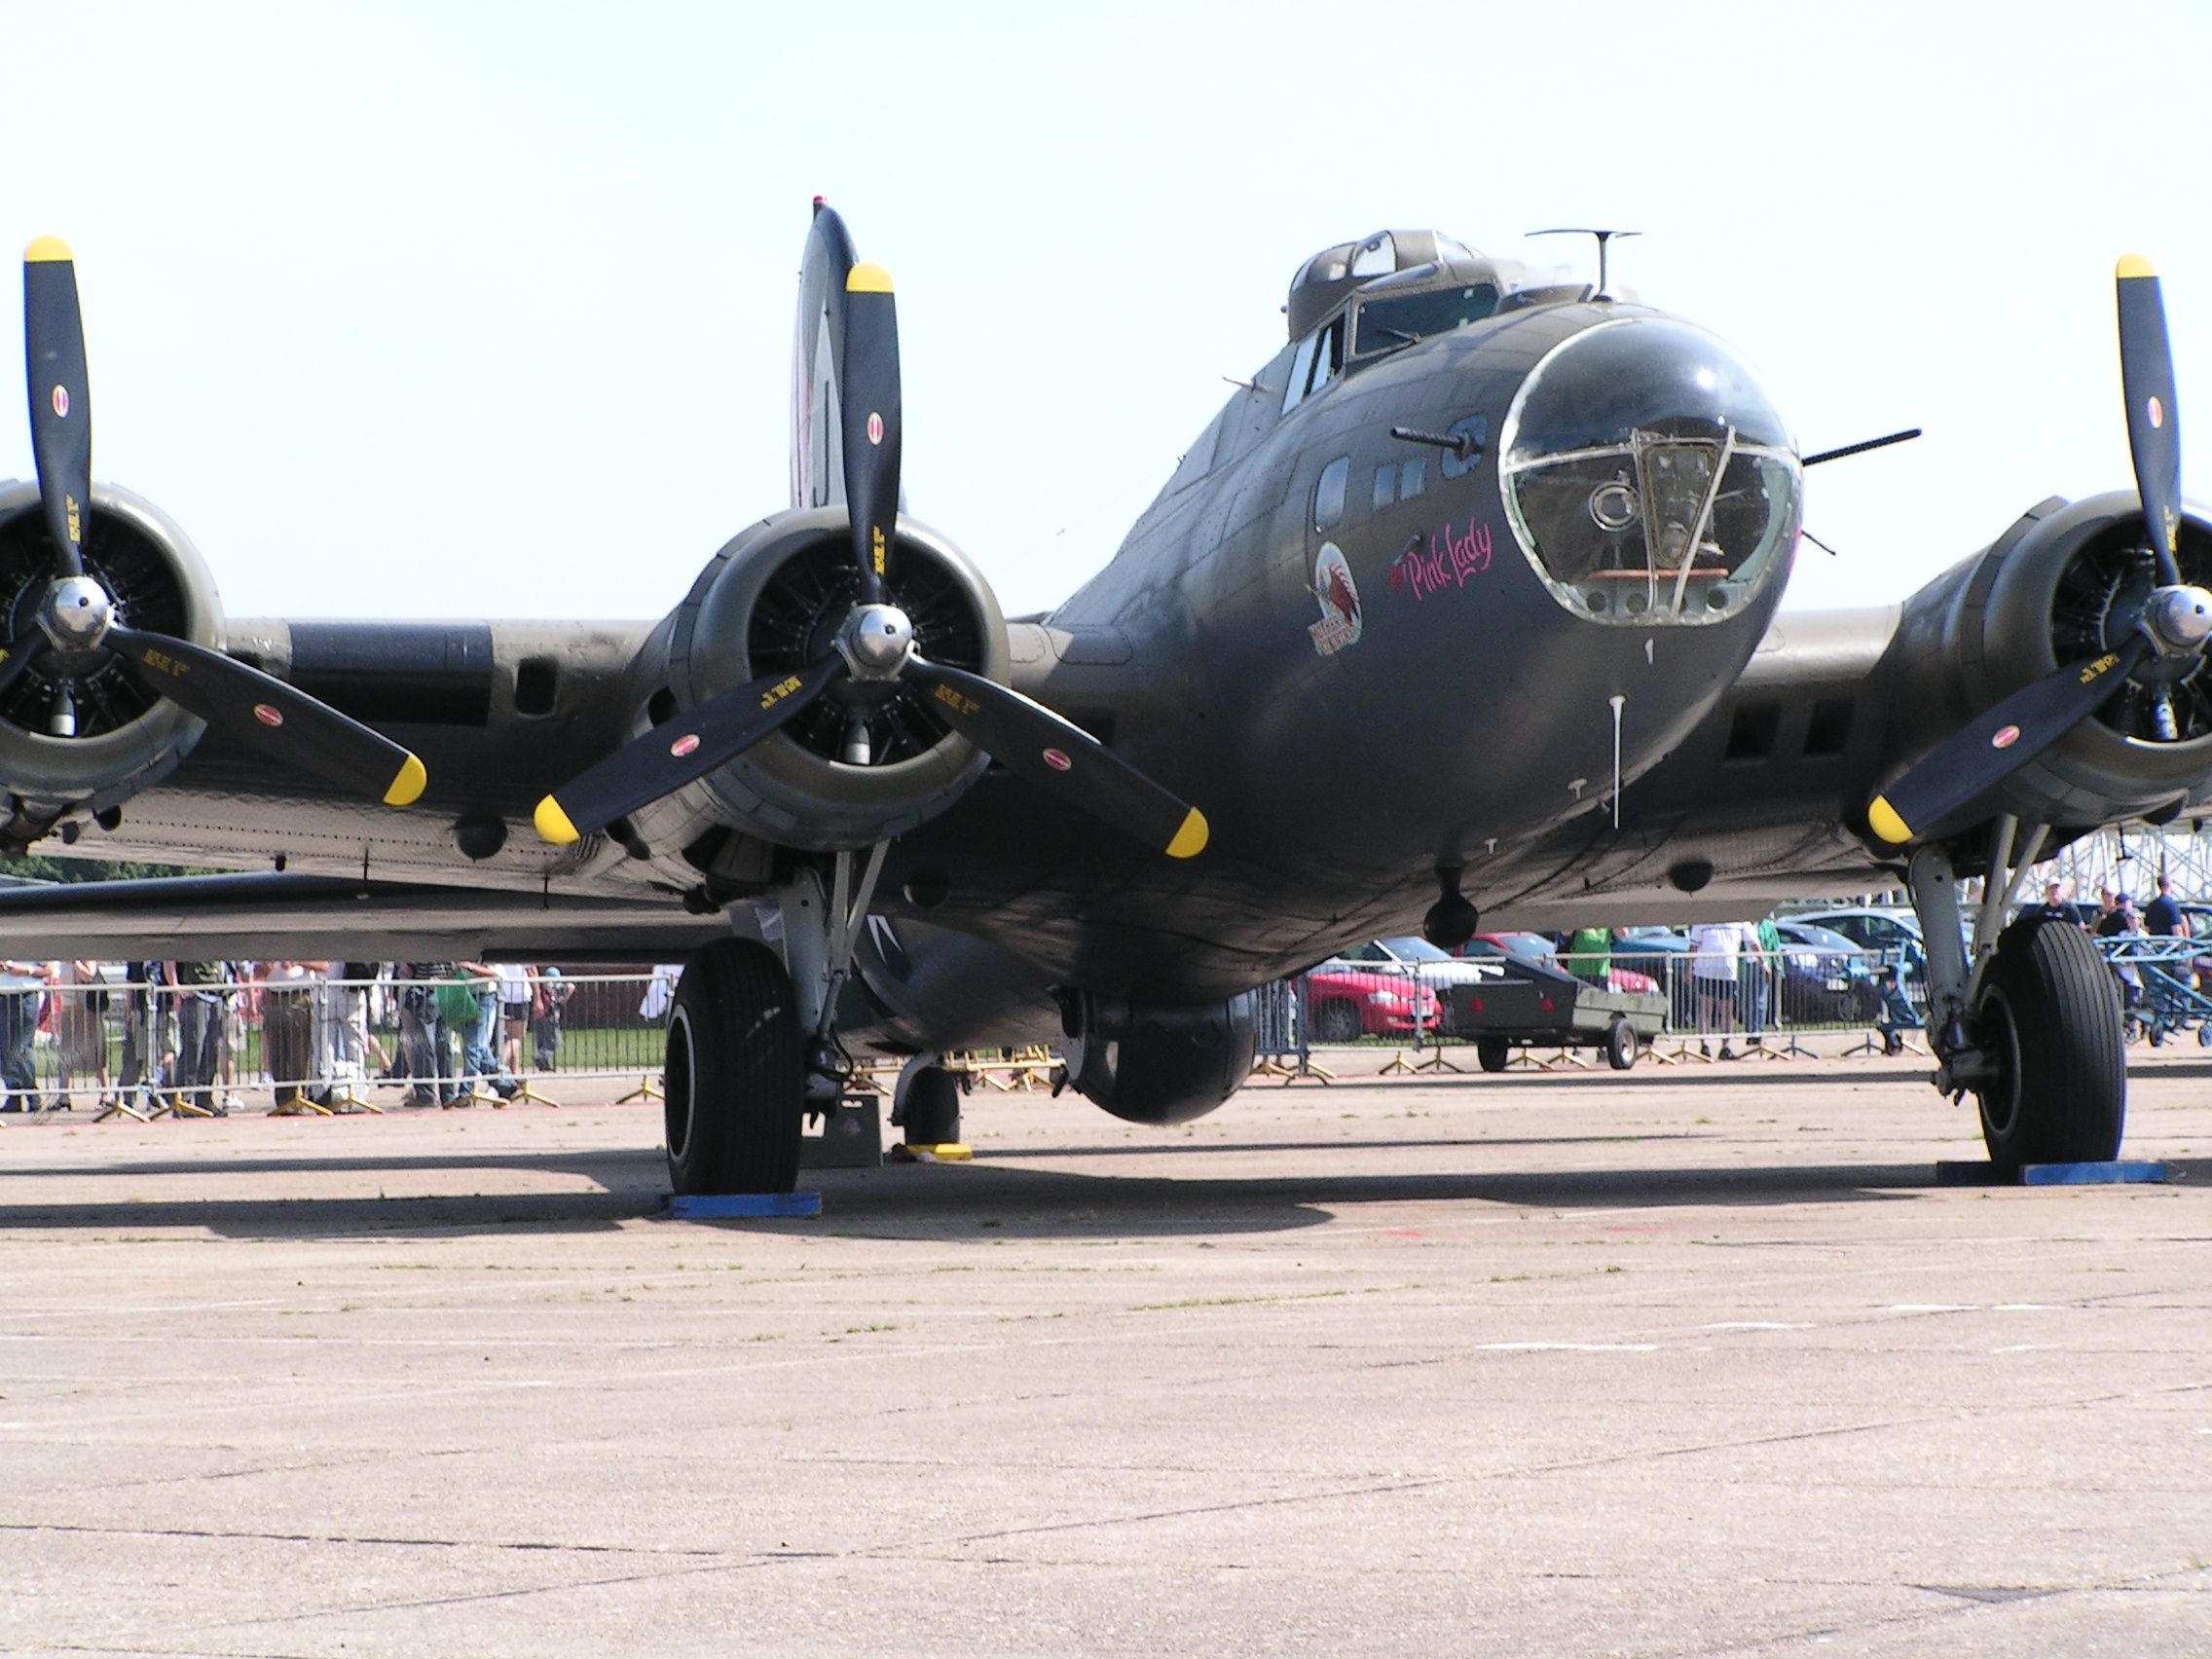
<point x="1658" y="1364"/>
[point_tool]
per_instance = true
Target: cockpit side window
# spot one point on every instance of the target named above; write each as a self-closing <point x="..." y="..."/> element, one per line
<point x="1320" y="360"/>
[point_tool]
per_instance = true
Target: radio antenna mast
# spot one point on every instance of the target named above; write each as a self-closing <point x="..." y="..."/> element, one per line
<point x="1604" y="236"/>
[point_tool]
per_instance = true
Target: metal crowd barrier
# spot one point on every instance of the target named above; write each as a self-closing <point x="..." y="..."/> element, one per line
<point x="104" y="1037"/>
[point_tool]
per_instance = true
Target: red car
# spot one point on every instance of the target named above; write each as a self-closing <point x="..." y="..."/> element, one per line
<point x="1347" y="1004"/>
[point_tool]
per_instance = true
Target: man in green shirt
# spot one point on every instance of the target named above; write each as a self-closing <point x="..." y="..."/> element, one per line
<point x="1589" y="956"/>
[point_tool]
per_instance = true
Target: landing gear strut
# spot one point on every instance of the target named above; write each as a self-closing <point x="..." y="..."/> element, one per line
<point x="2027" y="1016"/>
<point x="752" y="1040"/>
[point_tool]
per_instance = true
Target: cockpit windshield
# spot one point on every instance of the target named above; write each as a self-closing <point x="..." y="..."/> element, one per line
<point x="1647" y="476"/>
<point x="1385" y="324"/>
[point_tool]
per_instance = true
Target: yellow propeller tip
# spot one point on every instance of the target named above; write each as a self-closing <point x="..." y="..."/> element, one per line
<point x="1886" y="822"/>
<point x="553" y="824"/>
<point x="2133" y="265"/>
<point x="407" y="787"/>
<point x="44" y="250"/>
<point x="1191" y="840"/>
<point x="867" y="278"/>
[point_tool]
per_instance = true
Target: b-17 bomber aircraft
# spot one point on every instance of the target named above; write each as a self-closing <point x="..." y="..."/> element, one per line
<point x="1465" y="605"/>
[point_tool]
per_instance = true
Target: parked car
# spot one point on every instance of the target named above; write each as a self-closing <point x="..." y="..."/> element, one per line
<point x="1896" y="934"/>
<point x="1418" y="959"/>
<point x="1348" y="1001"/>
<point x="1827" y="979"/>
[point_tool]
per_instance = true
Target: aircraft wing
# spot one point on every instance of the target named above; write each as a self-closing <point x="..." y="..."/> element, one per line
<point x="267" y="916"/>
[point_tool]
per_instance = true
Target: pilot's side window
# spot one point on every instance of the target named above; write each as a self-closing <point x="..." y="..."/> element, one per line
<point x="1411" y="478"/>
<point x="1320" y="360"/>
<point x="1328" y="356"/>
<point x="1328" y="493"/>
<point x="1386" y="485"/>
<point x="1301" y="369"/>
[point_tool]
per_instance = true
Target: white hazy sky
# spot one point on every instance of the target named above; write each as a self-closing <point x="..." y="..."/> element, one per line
<point x="485" y="309"/>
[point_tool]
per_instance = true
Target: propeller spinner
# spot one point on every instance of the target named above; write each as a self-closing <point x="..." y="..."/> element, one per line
<point x="2174" y="622"/>
<point x="78" y="617"/>
<point x="876" y="644"/>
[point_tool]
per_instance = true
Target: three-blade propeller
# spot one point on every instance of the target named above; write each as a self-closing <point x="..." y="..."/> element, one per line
<point x="876" y="644"/>
<point x="2175" y="621"/>
<point x="78" y="630"/>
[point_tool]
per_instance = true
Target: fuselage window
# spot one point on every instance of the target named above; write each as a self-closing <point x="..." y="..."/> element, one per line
<point x="1386" y="485"/>
<point x="1411" y="478"/>
<point x="1328" y="493"/>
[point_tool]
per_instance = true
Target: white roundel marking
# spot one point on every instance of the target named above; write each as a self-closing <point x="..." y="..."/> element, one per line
<point x="61" y="402"/>
<point x="2006" y="737"/>
<point x="266" y="715"/>
<point x="1056" y="761"/>
<point x="685" y="745"/>
<point x="874" y="427"/>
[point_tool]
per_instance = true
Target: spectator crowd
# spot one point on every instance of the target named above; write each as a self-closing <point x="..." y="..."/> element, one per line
<point x="178" y="1036"/>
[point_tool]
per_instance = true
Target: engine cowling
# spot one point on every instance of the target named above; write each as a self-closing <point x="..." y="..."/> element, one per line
<point x="2063" y="585"/>
<point x="1157" y="1062"/>
<point x="774" y="598"/>
<point x="125" y="740"/>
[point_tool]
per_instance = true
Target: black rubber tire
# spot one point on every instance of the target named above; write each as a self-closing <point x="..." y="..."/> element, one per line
<point x="2051" y="1016"/>
<point x="735" y="1078"/>
<point x="930" y="1115"/>
<point x="1336" y="1022"/>
<point x="1493" y="1052"/>
<point x="1622" y="1045"/>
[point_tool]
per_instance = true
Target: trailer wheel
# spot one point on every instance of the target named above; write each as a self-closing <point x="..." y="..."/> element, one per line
<point x="1491" y="1053"/>
<point x="1622" y="1044"/>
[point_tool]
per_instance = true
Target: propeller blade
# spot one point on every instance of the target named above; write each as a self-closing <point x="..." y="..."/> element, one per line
<point x="1994" y="746"/>
<point x="664" y="759"/>
<point x="61" y="404"/>
<point x="868" y="397"/>
<point x="14" y="662"/>
<point x="266" y="715"/>
<point x="2153" y="431"/>
<point x="1032" y="741"/>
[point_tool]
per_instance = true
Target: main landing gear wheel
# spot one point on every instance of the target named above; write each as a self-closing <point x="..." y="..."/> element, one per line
<point x="928" y="1108"/>
<point x="1493" y="1052"/>
<point x="735" y="1081"/>
<point x="2050" y="1022"/>
<point x="1622" y="1045"/>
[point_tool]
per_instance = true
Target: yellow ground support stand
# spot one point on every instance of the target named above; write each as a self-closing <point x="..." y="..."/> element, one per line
<point x="649" y="1089"/>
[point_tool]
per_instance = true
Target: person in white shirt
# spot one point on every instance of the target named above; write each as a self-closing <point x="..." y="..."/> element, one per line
<point x="514" y="1013"/>
<point x="1715" y="949"/>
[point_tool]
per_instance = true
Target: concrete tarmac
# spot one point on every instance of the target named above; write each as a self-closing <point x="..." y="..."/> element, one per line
<point x="1686" y="1361"/>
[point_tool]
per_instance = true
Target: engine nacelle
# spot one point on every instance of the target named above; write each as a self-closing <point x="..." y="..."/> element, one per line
<point x="773" y="600"/>
<point x="2061" y="586"/>
<point x="1157" y="1062"/>
<point x="124" y="739"/>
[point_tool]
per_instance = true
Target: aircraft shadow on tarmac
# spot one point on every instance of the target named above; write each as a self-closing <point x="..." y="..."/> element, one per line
<point x="987" y="1199"/>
